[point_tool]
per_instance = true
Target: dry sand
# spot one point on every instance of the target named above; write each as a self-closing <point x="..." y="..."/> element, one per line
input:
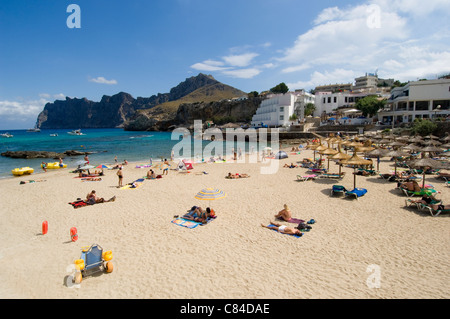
<point x="233" y="256"/>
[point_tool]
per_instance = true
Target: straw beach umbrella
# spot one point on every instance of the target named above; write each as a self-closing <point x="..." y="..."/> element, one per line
<point x="425" y="163"/>
<point x="378" y="152"/>
<point x="339" y="156"/>
<point x="355" y="160"/>
<point x="396" y="154"/>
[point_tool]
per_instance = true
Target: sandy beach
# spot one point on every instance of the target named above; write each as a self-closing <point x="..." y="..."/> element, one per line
<point x="233" y="256"/>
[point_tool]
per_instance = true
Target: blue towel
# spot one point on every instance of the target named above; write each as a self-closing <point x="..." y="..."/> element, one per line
<point x="358" y="191"/>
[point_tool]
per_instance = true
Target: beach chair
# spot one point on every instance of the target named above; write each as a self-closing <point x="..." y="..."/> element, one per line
<point x="356" y="193"/>
<point x="371" y="172"/>
<point x="423" y="191"/>
<point x="306" y="177"/>
<point x="92" y="261"/>
<point x="412" y="203"/>
<point x="332" y="176"/>
<point x="433" y="212"/>
<point x="338" y="190"/>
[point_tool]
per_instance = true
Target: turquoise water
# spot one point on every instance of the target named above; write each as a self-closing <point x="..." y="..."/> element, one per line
<point x="104" y="144"/>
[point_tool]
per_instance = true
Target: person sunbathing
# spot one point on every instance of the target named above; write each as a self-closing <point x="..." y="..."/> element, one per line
<point x="92" y="198"/>
<point x="411" y="186"/>
<point x="426" y="200"/>
<point x="283" y="229"/>
<point x="230" y="175"/>
<point x="151" y="174"/>
<point x="197" y="214"/>
<point x="284" y="214"/>
<point x="437" y="207"/>
<point x="290" y="166"/>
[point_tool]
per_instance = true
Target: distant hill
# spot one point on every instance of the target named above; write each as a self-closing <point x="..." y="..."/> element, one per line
<point x="122" y="110"/>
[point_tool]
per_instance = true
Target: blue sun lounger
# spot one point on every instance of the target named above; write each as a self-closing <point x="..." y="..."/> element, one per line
<point x="356" y="193"/>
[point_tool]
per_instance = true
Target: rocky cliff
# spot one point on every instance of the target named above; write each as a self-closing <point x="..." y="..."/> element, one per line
<point x="116" y="110"/>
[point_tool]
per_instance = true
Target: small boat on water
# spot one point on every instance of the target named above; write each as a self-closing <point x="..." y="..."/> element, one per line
<point x="76" y="132"/>
<point x="54" y="134"/>
<point x="21" y="171"/>
<point x="34" y="130"/>
<point x="6" y="135"/>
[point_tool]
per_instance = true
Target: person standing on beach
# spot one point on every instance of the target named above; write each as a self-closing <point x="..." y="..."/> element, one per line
<point x="115" y="159"/>
<point x="120" y="174"/>
<point x="86" y="158"/>
<point x="44" y="166"/>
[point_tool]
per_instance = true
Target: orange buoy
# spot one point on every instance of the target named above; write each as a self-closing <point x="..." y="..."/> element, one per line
<point x="44" y="227"/>
<point x="73" y="234"/>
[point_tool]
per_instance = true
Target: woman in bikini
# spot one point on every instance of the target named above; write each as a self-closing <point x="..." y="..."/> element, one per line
<point x="285" y="213"/>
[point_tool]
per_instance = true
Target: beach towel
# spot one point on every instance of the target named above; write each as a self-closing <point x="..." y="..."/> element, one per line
<point x="185" y="223"/>
<point x="180" y="221"/>
<point x="78" y="204"/>
<point x="296" y="236"/>
<point x="134" y="184"/>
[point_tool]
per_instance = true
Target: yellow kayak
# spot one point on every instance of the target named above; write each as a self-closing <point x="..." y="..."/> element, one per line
<point x="55" y="165"/>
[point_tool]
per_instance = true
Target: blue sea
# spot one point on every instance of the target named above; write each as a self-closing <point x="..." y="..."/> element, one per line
<point x="104" y="144"/>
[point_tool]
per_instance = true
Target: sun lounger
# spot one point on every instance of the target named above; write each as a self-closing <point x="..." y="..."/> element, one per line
<point x="356" y="193"/>
<point x="433" y="212"/>
<point x="332" y="176"/>
<point x="338" y="190"/>
<point x="306" y="177"/>
<point x="423" y="191"/>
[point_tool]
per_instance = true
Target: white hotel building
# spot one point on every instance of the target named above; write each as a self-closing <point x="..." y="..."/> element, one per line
<point x="418" y="99"/>
<point x="276" y="110"/>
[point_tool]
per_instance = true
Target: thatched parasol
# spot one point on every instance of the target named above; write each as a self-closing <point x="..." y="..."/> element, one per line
<point x="425" y="163"/>
<point x="378" y="152"/>
<point x="328" y="151"/>
<point x="355" y="160"/>
<point x="339" y="156"/>
<point x="395" y="154"/>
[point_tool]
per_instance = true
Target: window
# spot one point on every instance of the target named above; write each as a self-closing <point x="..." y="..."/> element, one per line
<point x="281" y="117"/>
<point x="422" y="105"/>
<point x="334" y="99"/>
<point x="281" y="108"/>
<point x="329" y="99"/>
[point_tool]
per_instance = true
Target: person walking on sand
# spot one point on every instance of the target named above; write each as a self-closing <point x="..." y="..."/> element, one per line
<point x="120" y="174"/>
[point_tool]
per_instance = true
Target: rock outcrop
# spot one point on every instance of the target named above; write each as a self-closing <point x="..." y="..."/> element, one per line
<point x="42" y="154"/>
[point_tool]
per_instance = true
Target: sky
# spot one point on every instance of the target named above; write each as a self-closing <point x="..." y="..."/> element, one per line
<point x="90" y="48"/>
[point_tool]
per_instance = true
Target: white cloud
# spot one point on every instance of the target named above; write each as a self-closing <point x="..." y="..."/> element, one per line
<point x="209" y="65"/>
<point x="243" y="73"/>
<point x="233" y="65"/>
<point x="401" y="39"/>
<point x="323" y="78"/>
<point x="241" y="60"/>
<point x="102" y="80"/>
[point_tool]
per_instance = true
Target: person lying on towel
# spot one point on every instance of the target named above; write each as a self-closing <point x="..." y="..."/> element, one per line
<point x="284" y="229"/>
